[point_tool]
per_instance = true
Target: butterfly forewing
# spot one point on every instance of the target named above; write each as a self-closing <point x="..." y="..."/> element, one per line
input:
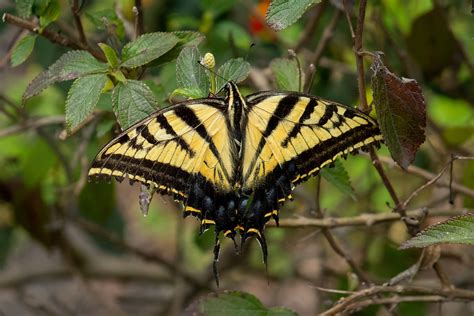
<point x="296" y="135"/>
<point x="172" y="149"/>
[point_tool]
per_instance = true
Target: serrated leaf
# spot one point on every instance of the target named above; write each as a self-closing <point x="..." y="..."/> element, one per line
<point x="287" y="74"/>
<point x="237" y="304"/>
<point x="189" y="73"/>
<point x="147" y="48"/>
<point x="72" y="65"/>
<point x="50" y="14"/>
<point x="24" y="8"/>
<point x="456" y="230"/>
<point x="283" y="13"/>
<point x="23" y="49"/>
<point x="110" y="55"/>
<point x="132" y="101"/>
<point x="107" y="20"/>
<point x="236" y="70"/>
<point x="339" y="177"/>
<point x="186" y="38"/>
<point x="82" y="98"/>
<point x="401" y="112"/>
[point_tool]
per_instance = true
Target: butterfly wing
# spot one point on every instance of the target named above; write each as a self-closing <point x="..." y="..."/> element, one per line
<point x="183" y="150"/>
<point x="291" y="136"/>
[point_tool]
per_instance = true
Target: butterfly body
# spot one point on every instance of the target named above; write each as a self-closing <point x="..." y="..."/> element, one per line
<point x="234" y="161"/>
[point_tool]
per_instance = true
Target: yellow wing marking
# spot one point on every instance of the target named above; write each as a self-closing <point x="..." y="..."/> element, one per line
<point x="165" y="141"/>
<point x="308" y="125"/>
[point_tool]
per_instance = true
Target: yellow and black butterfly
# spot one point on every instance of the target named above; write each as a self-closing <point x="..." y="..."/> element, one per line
<point x="234" y="161"/>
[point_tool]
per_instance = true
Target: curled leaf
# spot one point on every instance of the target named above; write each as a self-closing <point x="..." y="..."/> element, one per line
<point x="401" y="112"/>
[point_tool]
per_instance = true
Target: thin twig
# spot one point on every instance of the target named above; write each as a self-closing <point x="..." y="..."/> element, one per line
<point x="311" y="26"/>
<point x="428" y="176"/>
<point x="138" y="11"/>
<point x="32" y="123"/>
<point x="323" y="42"/>
<point x="11" y="46"/>
<point x="50" y="35"/>
<point x="105" y="234"/>
<point x="364" y="107"/>
<point x="395" y="299"/>
<point x="334" y="243"/>
<point x="348" y="17"/>
<point x="378" y="166"/>
<point x="363" y="219"/>
<point x="75" y="8"/>
<point x="427" y="184"/>
<point x="451" y="294"/>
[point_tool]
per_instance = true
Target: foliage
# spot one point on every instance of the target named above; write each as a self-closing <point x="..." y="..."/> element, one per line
<point x="53" y="121"/>
<point x="237" y="303"/>
<point x="458" y="230"/>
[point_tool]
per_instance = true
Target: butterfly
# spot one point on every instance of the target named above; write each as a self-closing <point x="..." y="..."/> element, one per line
<point x="233" y="161"/>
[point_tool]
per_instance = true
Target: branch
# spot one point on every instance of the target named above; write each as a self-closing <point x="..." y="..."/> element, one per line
<point x="32" y="124"/>
<point x="77" y="19"/>
<point x="378" y="166"/>
<point x="363" y="219"/>
<point x="334" y="243"/>
<point x="428" y="176"/>
<point x="138" y="12"/>
<point x="345" y="304"/>
<point x="323" y="42"/>
<point x="311" y="25"/>
<point x="50" y="35"/>
<point x="105" y="234"/>
<point x="359" y="58"/>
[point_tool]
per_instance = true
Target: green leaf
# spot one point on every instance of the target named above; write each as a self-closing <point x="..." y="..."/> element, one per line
<point x="401" y="112"/>
<point x="432" y="44"/>
<point x="82" y="98"/>
<point x="146" y="48"/>
<point x="186" y="38"/>
<point x="133" y="101"/>
<point x="236" y="70"/>
<point x="72" y="65"/>
<point x="189" y="73"/>
<point x="107" y="20"/>
<point x="40" y="6"/>
<point x="187" y="93"/>
<point x="24" y="8"/>
<point x="217" y="7"/>
<point x="339" y="177"/>
<point x="23" y="49"/>
<point x="237" y="304"/>
<point x="50" y="14"/>
<point x="231" y="32"/>
<point x="283" y="13"/>
<point x="287" y="75"/>
<point x="110" y="55"/>
<point x="456" y="230"/>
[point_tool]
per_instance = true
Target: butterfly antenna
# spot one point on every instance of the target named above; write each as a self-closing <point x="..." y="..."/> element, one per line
<point x="214" y="74"/>
<point x="248" y="51"/>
